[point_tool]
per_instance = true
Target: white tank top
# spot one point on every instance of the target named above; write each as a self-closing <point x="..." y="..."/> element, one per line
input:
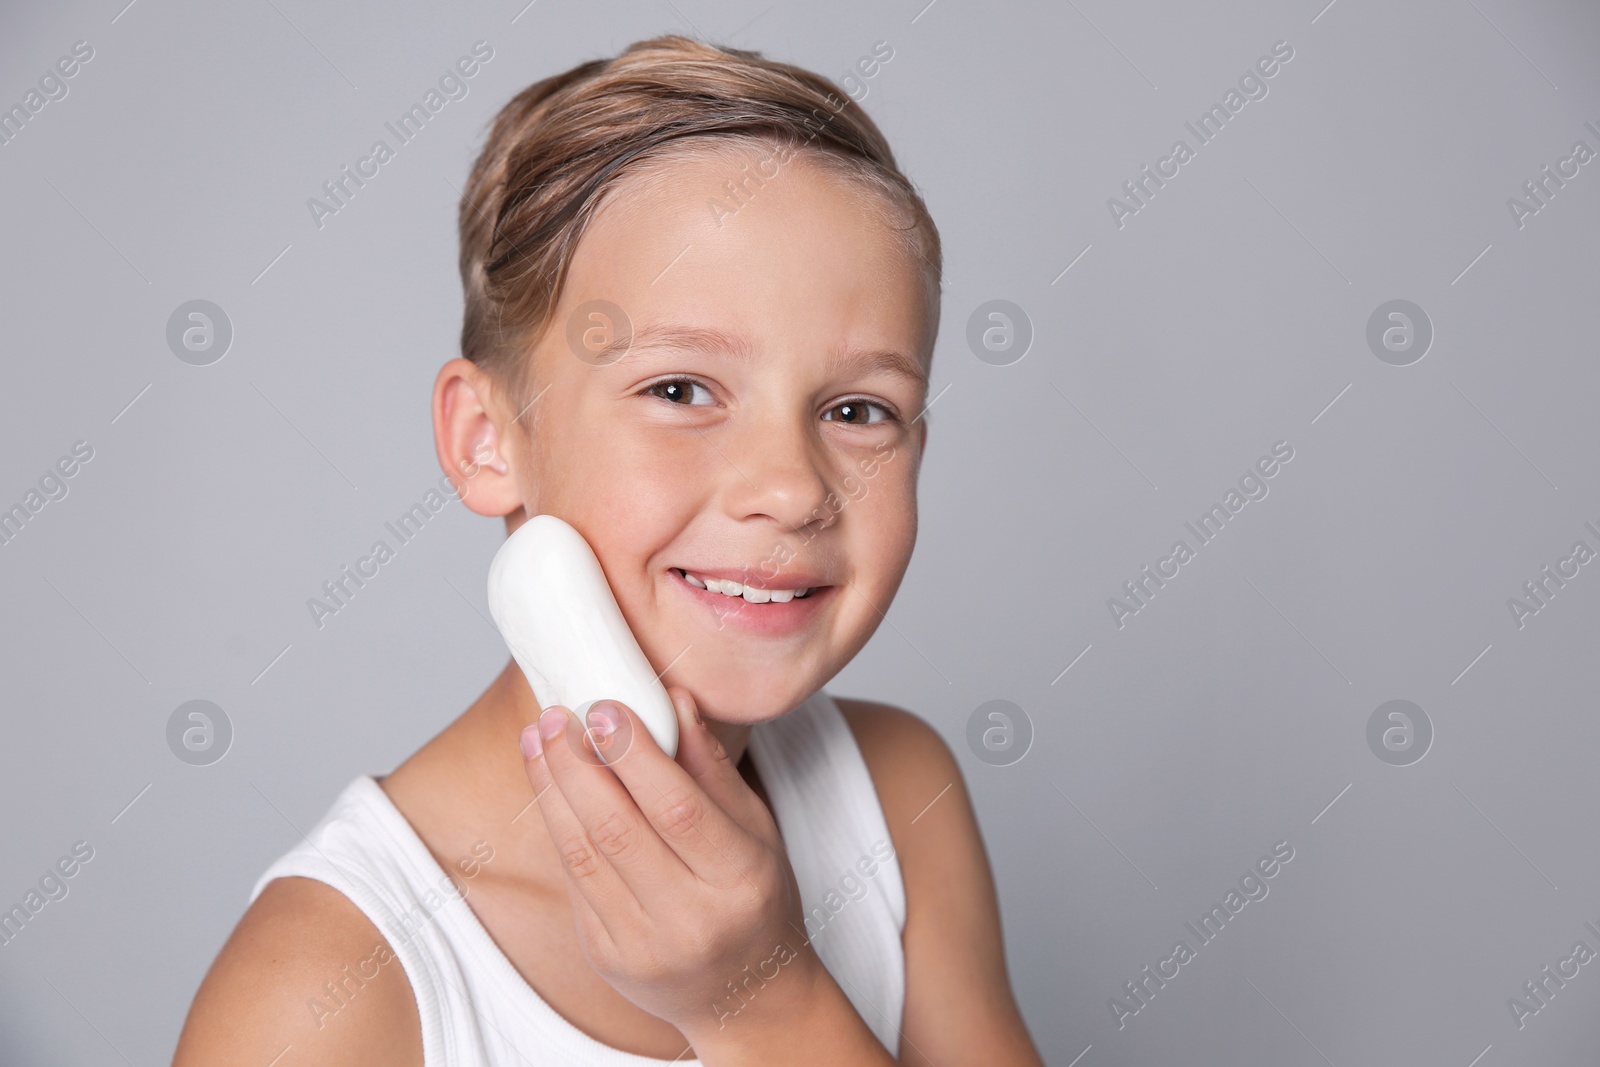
<point x="478" y="1011"/>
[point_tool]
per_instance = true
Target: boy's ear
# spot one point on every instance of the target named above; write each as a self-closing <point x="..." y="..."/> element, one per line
<point x="469" y="435"/>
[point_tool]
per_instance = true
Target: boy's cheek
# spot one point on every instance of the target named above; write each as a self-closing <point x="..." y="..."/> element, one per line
<point x="882" y="453"/>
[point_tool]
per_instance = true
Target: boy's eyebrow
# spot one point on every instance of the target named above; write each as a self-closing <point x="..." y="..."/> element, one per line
<point x="666" y="336"/>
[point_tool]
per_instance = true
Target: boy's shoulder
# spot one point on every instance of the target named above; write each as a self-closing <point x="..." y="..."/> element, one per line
<point x="960" y="1008"/>
<point x="874" y="723"/>
<point x="909" y="761"/>
<point x="305" y="970"/>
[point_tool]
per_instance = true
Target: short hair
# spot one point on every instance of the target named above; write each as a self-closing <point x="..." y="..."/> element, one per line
<point x="562" y="144"/>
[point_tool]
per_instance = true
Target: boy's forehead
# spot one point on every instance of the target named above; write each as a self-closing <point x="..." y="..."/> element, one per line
<point x="708" y="160"/>
<point x="695" y="235"/>
<point x="710" y="188"/>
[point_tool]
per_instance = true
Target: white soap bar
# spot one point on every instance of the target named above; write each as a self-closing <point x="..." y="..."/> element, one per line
<point x="561" y="622"/>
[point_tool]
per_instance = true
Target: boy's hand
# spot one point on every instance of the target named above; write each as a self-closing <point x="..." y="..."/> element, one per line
<point x="680" y="886"/>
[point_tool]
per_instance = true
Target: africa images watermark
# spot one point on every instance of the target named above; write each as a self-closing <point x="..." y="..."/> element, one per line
<point x="1542" y="188"/>
<point x="52" y="86"/>
<point x="848" y="888"/>
<point x="1542" y="588"/>
<point x="341" y="188"/>
<point x="1253" y="485"/>
<point x="740" y="192"/>
<point x="341" y="589"/>
<point x="339" y="993"/>
<point x="769" y="166"/>
<point x="855" y="490"/>
<point x="52" y="887"/>
<point x="1252" y="86"/>
<point x="1252" y="887"/>
<point x="1538" y="990"/>
<point x="52" y="486"/>
<point x="865" y="69"/>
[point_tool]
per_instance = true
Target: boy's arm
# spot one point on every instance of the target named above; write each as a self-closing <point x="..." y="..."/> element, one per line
<point x="268" y="994"/>
<point x="959" y="1005"/>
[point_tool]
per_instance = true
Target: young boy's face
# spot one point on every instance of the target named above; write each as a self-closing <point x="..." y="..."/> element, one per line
<point x="795" y="466"/>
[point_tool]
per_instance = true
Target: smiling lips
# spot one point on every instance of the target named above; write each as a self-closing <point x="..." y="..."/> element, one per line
<point x="761" y="611"/>
<point x="780" y="589"/>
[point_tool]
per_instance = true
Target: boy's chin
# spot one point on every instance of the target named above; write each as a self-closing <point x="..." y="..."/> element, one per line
<point x="745" y="702"/>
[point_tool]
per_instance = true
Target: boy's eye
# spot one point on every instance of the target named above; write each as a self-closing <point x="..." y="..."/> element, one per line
<point x="674" y="390"/>
<point x="857" y="412"/>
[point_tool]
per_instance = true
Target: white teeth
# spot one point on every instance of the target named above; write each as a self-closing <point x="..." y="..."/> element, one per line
<point x="730" y="588"/>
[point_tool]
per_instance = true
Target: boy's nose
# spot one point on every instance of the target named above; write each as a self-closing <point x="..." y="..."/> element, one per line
<point x="780" y="474"/>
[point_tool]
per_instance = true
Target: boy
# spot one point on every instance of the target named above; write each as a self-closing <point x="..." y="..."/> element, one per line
<point x="701" y="304"/>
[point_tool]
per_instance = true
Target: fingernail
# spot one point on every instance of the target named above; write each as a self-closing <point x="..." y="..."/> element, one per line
<point x="601" y="722"/>
<point x="531" y="745"/>
<point x="551" y="722"/>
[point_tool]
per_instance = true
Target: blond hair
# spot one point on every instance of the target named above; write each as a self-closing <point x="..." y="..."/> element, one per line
<point x="560" y="145"/>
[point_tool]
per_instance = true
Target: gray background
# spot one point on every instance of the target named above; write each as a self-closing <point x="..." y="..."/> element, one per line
<point x="1225" y="316"/>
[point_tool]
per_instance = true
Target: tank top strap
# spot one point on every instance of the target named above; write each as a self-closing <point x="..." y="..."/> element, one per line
<point x="836" y="836"/>
<point x="372" y="858"/>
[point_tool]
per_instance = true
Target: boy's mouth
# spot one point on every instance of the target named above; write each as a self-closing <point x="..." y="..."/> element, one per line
<point x="780" y="589"/>
<point x="784" y="607"/>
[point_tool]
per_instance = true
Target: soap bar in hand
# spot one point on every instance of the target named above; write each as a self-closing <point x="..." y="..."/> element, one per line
<point x="561" y="622"/>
